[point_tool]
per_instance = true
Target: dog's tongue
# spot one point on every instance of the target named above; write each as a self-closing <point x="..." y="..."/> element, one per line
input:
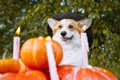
<point x="64" y="38"/>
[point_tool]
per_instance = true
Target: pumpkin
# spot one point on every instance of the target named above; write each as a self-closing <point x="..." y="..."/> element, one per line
<point x="27" y="75"/>
<point x="9" y="65"/>
<point x="68" y="72"/>
<point x="33" y="53"/>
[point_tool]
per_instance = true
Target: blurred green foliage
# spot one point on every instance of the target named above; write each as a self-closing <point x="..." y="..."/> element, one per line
<point x="32" y="16"/>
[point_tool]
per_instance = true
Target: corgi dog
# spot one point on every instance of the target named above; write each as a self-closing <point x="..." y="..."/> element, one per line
<point x="67" y="32"/>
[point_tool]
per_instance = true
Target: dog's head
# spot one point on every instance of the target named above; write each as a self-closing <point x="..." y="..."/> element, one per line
<point x="67" y="29"/>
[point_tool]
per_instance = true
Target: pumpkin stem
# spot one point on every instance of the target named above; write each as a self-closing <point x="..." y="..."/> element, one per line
<point x="4" y="54"/>
<point x="40" y="37"/>
<point x="48" y="38"/>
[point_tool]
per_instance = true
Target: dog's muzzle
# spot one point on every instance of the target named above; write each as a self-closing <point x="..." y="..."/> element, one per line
<point x="64" y="38"/>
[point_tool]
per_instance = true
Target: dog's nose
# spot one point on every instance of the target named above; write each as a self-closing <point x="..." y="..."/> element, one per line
<point x="63" y="33"/>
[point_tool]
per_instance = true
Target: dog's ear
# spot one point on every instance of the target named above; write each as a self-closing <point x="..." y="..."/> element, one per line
<point x="52" y="22"/>
<point x="86" y="22"/>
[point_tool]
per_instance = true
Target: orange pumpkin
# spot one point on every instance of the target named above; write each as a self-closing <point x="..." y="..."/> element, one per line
<point x="67" y="72"/>
<point x="27" y="75"/>
<point x="33" y="53"/>
<point x="9" y="65"/>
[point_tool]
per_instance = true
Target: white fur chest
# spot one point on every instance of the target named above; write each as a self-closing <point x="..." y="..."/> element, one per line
<point x="71" y="51"/>
<point x="72" y="55"/>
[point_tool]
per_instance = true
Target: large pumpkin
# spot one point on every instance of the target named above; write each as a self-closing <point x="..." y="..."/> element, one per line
<point x="33" y="53"/>
<point x="9" y="65"/>
<point x="68" y="72"/>
<point x="27" y="75"/>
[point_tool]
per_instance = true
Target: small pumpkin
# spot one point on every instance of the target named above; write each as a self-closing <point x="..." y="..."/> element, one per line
<point x="33" y="53"/>
<point x="9" y="65"/>
<point x="27" y="75"/>
<point x="67" y="72"/>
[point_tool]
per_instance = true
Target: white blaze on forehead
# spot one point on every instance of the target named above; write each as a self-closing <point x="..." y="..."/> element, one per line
<point x="65" y="22"/>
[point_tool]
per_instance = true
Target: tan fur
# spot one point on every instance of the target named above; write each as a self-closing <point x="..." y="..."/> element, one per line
<point x="76" y="26"/>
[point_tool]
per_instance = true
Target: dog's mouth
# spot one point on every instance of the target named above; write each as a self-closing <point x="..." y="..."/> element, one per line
<point x="64" y="38"/>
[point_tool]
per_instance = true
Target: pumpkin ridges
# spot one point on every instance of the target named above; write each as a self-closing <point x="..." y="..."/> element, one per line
<point x="87" y="73"/>
<point x="83" y="73"/>
<point x="63" y="70"/>
<point x="15" y="65"/>
<point x="36" y="53"/>
<point x="35" y="56"/>
<point x="9" y="65"/>
<point x="27" y="49"/>
<point x="105" y="73"/>
<point x="34" y="74"/>
<point x="27" y="75"/>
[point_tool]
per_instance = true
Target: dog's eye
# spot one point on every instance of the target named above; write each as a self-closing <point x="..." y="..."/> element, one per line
<point x="70" y="26"/>
<point x="60" y="26"/>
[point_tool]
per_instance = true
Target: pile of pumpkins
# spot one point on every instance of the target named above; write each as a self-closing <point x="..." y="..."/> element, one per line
<point x="33" y="65"/>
